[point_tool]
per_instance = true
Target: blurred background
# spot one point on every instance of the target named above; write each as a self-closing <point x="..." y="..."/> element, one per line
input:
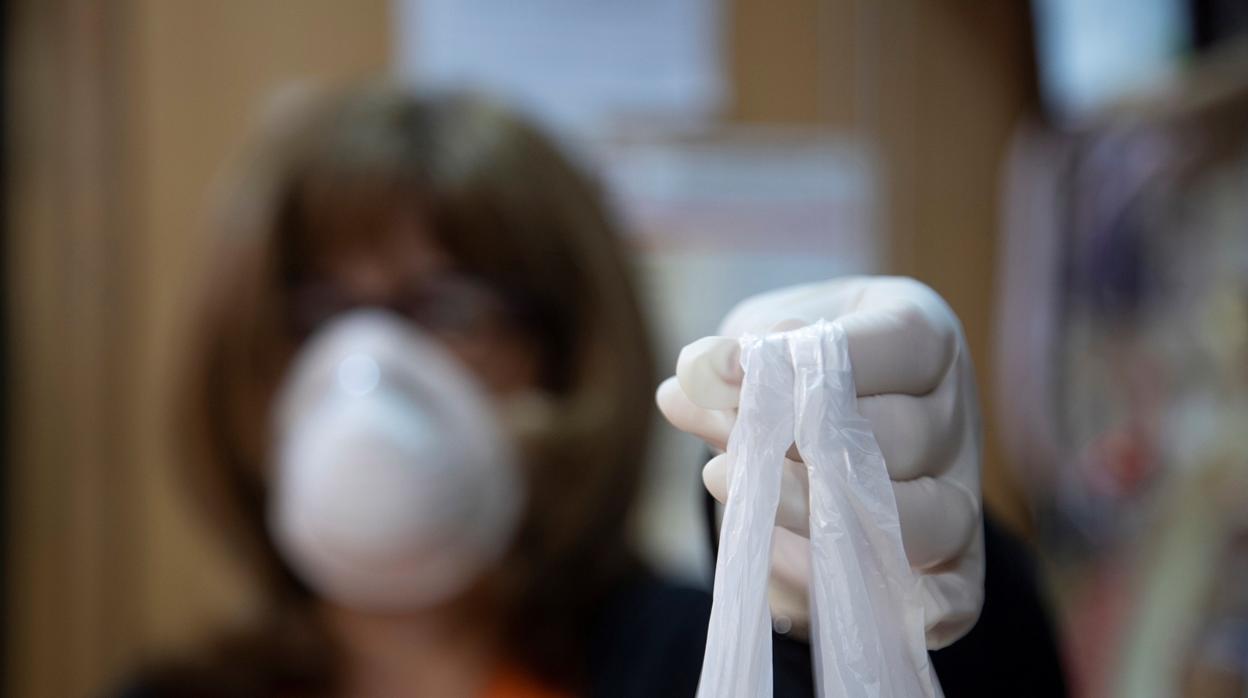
<point x="1072" y="175"/>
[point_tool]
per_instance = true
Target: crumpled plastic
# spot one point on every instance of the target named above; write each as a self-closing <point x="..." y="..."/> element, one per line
<point x="867" y="626"/>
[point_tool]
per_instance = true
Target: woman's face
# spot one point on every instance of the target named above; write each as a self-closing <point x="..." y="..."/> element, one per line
<point x="407" y="271"/>
<point x="413" y="510"/>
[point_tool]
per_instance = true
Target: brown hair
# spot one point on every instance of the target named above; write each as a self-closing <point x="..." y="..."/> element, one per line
<point x="511" y="210"/>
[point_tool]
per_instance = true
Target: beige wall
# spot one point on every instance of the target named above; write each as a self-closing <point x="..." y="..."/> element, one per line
<point x="123" y="111"/>
<point x="203" y="73"/>
<point x="938" y="85"/>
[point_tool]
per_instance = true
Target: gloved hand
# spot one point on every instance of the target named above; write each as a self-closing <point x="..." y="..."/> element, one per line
<point x="917" y="388"/>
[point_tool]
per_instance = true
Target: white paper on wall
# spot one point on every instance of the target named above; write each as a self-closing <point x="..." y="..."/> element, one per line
<point x="581" y="65"/>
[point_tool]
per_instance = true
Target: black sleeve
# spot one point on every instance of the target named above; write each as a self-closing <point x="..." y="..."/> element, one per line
<point x="792" y="667"/>
<point x="1012" y="649"/>
<point x="648" y="641"/>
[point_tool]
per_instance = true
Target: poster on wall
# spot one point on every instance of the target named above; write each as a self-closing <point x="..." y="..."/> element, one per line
<point x="581" y="66"/>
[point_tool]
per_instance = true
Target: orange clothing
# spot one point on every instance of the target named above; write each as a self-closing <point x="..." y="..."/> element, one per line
<point x="511" y="683"/>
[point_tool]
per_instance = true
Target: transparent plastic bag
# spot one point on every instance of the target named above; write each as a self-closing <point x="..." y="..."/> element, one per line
<point x="867" y="628"/>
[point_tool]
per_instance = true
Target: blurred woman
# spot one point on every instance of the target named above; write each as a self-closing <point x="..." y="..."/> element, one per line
<point x="418" y="392"/>
<point x="463" y="221"/>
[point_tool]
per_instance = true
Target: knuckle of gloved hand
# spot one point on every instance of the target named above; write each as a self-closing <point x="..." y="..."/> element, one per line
<point x="939" y="519"/>
<point x="962" y="520"/>
<point x="911" y="458"/>
<point x="904" y="433"/>
<point x="953" y="430"/>
<point x="933" y="307"/>
<point x="965" y="520"/>
<point x="923" y="295"/>
<point x="934" y="343"/>
<point x="949" y="624"/>
<point x="945" y="427"/>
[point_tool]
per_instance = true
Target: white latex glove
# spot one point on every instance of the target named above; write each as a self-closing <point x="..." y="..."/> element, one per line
<point x="916" y="386"/>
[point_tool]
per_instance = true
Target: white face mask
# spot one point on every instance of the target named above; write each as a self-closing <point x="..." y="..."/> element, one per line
<point x="395" y="486"/>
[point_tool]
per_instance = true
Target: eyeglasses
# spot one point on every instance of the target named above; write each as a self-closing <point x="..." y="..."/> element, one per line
<point x="444" y="303"/>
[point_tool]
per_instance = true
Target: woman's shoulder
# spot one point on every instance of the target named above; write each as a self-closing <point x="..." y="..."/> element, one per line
<point x="194" y="679"/>
<point x="246" y="663"/>
<point x="169" y="679"/>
